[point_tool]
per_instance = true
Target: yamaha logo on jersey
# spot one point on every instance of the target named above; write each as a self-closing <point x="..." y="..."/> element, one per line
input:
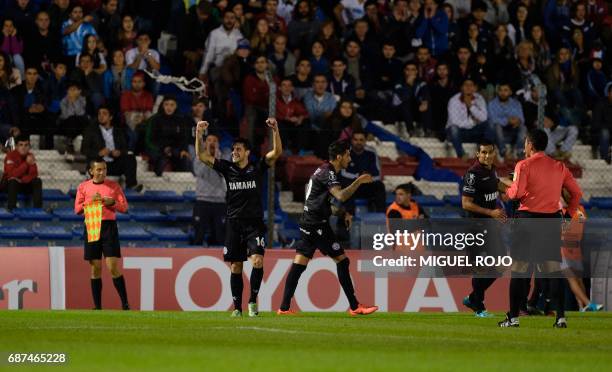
<point x="248" y="185"/>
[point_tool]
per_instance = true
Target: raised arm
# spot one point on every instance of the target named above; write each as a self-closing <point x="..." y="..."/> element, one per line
<point x="346" y="193"/>
<point x="277" y="146"/>
<point x="202" y="154"/>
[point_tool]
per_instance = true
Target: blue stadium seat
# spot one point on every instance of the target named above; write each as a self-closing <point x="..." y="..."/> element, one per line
<point x="390" y="197"/>
<point x="134" y="233"/>
<point x="601" y="202"/>
<point x="15" y="232"/>
<point x="32" y="214"/>
<point x="52" y="232"/>
<point x="598" y="214"/>
<point x="189" y="196"/>
<point x="20" y="196"/>
<point x="428" y="201"/>
<point x="168" y="196"/>
<point x="147" y="215"/>
<point x="133" y="196"/>
<point x="67" y="214"/>
<point x="168" y="233"/>
<point x="586" y="204"/>
<point x="6" y="215"/>
<point x="373" y="218"/>
<point x="443" y="212"/>
<point x="184" y="215"/>
<point x="72" y="192"/>
<point x="123" y="216"/>
<point x="54" y="195"/>
<point x="454" y="200"/>
<point x="78" y="231"/>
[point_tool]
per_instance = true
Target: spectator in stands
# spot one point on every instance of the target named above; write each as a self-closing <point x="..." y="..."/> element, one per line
<point x="497" y="12"/>
<point x="596" y="79"/>
<point x="404" y="207"/>
<point x="432" y="29"/>
<point x="370" y="46"/>
<point x="126" y="36"/>
<point x="461" y="8"/>
<point x="477" y="43"/>
<point x="556" y="15"/>
<point x="541" y="49"/>
<point x="318" y="62"/>
<point x="344" y="121"/>
<point x="221" y="42"/>
<point x="467" y="118"/>
<point x="412" y="101"/>
<point x="256" y="96"/>
<point x="524" y="69"/>
<point x="8" y="120"/>
<point x="90" y="46"/>
<point x="292" y="118"/>
<point x="233" y="72"/>
<point x="530" y="100"/>
<point x="341" y="84"/>
<point x="477" y="17"/>
<point x="103" y="139"/>
<point x="21" y="174"/>
<point x="9" y="76"/>
<point x="303" y="28"/>
<point x="364" y="160"/>
<point x="506" y="116"/>
<point x="75" y="29"/>
<point x="11" y="43"/>
<point x="56" y="86"/>
<point x="136" y="108"/>
<point x="320" y="104"/>
<point x="275" y="22"/>
<point x="73" y="117"/>
<point x="168" y="138"/>
<point x="30" y="104"/>
<point x="597" y="11"/>
<point x="443" y="89"/>
<point x="282" y="61"/>
<point x="520" y="28"/>
<point x="453" y="28"/>
<point x="90" y="82"/>
<point x="143" y="57"/>
<point x="357" y="68"/>
<point x="580" y="22"/>
<point x="602" y="123"/>
<point x="59" y="12"/>
<point x="348" y="11"/>
<point x="331" y="43"/>
<point x="426" y="64"/>
<point x="22" y="13"/>
<point x="198" y="24"/>
<point x="502" y="52"/>
<point x="209" y="208"/>
<point x="396" y="28"/>
<point x="242" y="22"/>
<point x="42" y="46"/>
<point x="199" y="112"/>
<point x="106" y="20"/>
<point x="117" y="79"/>
<point x="463" y="67"/>
<point x="386" y="71"/>
<point x="261" y="40"/>
<point x="302" y="80"/>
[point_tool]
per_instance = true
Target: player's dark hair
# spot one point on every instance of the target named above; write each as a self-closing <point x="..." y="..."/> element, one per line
<point x="244" y="142"/>
<point x="406" y="187"/>
<point x="484" y="143"/>
<point x="93" y="161"/>
<point x="22" y="138"/>
<point x="338" y="148"/>
<point x="358" y="131"/>
<point x="538" y="139"/>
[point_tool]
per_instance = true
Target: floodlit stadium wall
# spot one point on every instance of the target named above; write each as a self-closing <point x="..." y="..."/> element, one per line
<point x="198" y="280"/>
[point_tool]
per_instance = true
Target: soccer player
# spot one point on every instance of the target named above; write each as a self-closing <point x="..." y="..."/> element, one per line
<point x="316" y="231"/>
<point x="245" y="230"/>
<point x="479" y="197"/>
<point x="98" y="188"/>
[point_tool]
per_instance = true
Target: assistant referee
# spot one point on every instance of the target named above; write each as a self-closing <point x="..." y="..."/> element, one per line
<point x="113" y="200"/>
<point x="538" y="181"/>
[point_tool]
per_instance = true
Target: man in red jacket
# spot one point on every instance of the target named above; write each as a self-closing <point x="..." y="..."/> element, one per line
<point x="21" y="174"/>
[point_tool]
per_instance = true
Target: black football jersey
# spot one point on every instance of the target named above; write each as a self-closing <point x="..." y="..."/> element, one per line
<point x="243" y="196"/>
<point x="317" y="207"/>
<point x="481" y="183"/>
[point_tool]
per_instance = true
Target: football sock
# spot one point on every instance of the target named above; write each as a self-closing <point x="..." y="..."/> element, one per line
<point x="237" y="287"/>
<point x="256" y="277"/>
<point x="344" y="277"/>
<point x="517" y="297"/>
<point x="479" y="287"/>
<point x="291" y="284"/>
<point x="119" y="283"/>
<point x="96" y="292"/>
<point x="557" y="290"/>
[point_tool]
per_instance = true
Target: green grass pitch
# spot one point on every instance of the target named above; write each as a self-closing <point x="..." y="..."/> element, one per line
<point x="211" y="341"/>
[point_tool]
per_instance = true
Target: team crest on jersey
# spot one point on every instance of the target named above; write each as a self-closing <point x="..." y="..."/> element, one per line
<point x="224" y="250"/>
<point x="336" y="246"/>
<point x="471" y="179"/>
<point x="320" y="232"/>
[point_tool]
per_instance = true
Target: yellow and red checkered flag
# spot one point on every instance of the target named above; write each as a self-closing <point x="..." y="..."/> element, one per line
<point x="93" y="220"/>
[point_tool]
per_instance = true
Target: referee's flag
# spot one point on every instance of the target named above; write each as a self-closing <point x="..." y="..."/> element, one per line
<point x="93" y="220"/>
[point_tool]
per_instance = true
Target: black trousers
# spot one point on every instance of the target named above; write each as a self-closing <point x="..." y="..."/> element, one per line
<point x="33" y="188"/>
<point x="210" y="217"/>
<point x="124" y="165"/>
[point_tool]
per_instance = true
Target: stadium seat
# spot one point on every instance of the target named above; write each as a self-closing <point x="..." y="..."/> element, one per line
<point x="428" y="201"/>
<point x="122" y="216"/>
<point x="443" y="212"/>
<point x="373" y="218"/>
<point x="147" y="215"/>
<point x="54" y="195"/>
<point x="454" y="200"/>
<point x="133" y="196"/>
<point x="32" y="214"/>
<point x="168" y="233"/>
<point x="166" y="196"/>
<point x="134" y="233"/>
<point x="183" y="215"/>
<point x="6" y="215"/>
<point x="67" y="214"/>
<point x="15" y="232"/>
<point x="601" y="202"/>
<point x="3" y="196"/>
<point x="52" y="232"/>
<point x="189" y="196"/>
<point x="78" y="231"/>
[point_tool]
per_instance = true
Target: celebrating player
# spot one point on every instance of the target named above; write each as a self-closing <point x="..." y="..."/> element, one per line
<point x="245" y="230"/>
<point x="98" y="188"/>
<point x="479" y="199"/>
<point x="316" y="231"/>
